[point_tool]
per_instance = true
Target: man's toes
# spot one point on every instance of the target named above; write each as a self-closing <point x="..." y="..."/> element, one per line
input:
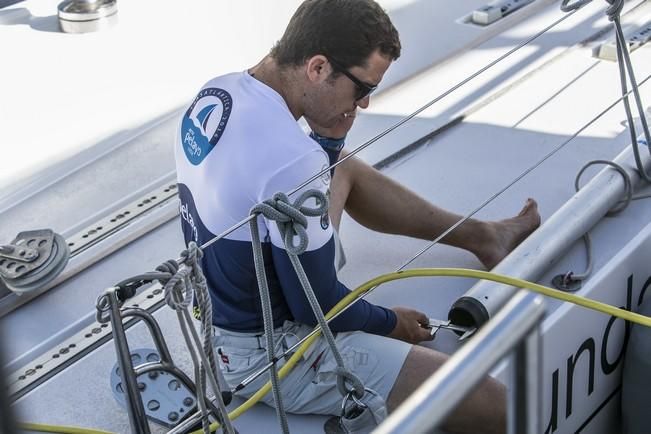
<point x="529" y="206"/>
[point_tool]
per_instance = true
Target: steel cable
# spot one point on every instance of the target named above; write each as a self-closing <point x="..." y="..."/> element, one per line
<point x="461" y="221"/>
<point x="399" y="123"/>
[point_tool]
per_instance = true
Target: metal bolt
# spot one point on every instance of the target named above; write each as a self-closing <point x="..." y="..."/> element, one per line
<point x="173" y="416"/>
<point x="188" y="401"/>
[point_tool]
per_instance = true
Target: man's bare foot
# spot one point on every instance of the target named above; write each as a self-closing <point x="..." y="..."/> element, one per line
<point x="504" y="235"/>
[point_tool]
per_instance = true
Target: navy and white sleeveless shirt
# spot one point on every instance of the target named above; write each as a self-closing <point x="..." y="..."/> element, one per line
<point x="238" y="144"/>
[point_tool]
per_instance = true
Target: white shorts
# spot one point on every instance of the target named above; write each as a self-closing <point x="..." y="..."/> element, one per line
<point x="311" y="387"/>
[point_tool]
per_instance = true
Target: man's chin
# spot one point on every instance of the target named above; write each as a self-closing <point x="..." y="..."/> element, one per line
<point x="332" y="122"/>
<point x="329" y="122"/>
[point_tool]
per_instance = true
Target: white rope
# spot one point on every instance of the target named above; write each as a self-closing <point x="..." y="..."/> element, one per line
<point x="292" y="223"/>
<point x="178" y="289"/>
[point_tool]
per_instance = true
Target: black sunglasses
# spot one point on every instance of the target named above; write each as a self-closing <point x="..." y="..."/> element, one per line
<point x="363" y="89"/>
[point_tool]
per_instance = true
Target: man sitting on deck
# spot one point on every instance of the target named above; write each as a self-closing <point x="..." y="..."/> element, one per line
<point x="240" y="143"/>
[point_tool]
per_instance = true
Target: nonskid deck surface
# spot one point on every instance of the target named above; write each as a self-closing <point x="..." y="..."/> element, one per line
<point x="540" y="96"/>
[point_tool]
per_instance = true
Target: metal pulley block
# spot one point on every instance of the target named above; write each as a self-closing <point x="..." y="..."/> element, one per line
<point x="33" y="259"/>
<point x="22" y="254"/>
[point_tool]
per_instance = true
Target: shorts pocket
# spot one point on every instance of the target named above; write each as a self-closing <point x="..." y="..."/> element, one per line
<point x="360" y="361"/>
<point x="237" y="361"/>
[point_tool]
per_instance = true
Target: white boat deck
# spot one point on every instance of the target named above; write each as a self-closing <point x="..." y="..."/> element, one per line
<point x="91" y="152"/>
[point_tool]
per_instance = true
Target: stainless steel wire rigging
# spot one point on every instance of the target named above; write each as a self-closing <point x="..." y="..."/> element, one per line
<point x="400" y="122"/>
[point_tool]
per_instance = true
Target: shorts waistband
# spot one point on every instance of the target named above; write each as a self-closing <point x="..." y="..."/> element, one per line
<point x="285" y="337"/>
<point x="250" y="340"/>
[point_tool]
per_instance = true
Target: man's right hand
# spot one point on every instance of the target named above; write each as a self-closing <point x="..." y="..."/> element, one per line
<point x="410" y="326"/>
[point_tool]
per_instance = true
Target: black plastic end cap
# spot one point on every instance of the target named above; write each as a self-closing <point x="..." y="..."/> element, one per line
<point x="468" y="312"/>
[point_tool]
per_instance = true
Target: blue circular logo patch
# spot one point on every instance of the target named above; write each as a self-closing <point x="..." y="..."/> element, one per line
<point x="204" y="123"/>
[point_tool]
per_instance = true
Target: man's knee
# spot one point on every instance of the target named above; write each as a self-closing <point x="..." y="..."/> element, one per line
<point x="483" y="410"/>
<point x="420" y="364"/>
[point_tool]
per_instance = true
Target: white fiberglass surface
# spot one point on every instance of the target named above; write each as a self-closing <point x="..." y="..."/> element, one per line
<point x="107" y="178"/>
<point x="462" y="167"/>
<point x="457" y="170"/>
<point x="78" y="96"/>
<point x="90" y="90"/>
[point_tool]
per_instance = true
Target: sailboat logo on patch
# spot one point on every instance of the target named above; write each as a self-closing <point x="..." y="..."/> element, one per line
<point x="204" y="123"/>
<point x="204" y="116"/>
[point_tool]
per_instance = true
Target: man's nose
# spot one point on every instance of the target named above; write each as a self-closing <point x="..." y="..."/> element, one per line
<point x="364" y="102"/>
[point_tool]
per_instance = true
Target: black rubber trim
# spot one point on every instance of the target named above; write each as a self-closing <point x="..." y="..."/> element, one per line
<point x="469" y="312"/>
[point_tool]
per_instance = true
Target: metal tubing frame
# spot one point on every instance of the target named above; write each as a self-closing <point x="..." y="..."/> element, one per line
<point x="154" y="330"/>
<point x="549" y="242"/>
<point x="526" y="401"/>
<point x="135" y="407"/>
<point x="166" y="363"/>
<point x="430" y="404"/>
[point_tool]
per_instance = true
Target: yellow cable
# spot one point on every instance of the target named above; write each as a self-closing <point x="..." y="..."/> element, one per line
<point x="358" y="292"/>
<point x="437" y="272"/>
<point x="59" y="429"/>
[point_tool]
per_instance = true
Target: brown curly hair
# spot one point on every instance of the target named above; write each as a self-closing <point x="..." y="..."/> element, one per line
<point x="346" y="30"/>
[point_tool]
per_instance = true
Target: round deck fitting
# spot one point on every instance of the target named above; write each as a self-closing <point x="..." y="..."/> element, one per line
<point x="84" y="16"/>
<point x="564" y="282"/>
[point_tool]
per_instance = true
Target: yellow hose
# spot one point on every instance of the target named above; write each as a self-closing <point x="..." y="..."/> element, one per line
<point x="59" y="429"/>
<point x="436" y="272"/>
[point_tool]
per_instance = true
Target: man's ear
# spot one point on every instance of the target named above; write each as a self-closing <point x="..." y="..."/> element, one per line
<point x="317" y="68"/>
